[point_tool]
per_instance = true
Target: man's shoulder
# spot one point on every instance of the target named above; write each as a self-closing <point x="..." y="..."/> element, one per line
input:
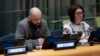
<point x="44" y="21"/>
<point x="23" y="21"/>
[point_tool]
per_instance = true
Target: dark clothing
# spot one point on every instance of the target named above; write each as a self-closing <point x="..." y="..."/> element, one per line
<point x="26" y="29"/>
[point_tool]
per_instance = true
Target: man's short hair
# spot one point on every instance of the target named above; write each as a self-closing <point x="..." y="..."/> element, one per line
<point x="34" y="10"/>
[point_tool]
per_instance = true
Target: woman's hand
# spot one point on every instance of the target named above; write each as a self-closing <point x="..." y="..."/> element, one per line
<point x="83" y="38"/>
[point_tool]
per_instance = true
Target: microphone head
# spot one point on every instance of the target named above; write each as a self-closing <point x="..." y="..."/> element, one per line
<point x="91" y="43"/>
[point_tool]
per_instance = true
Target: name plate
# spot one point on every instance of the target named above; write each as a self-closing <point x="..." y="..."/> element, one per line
<point x="15" y="50"/>
<point x="64" y="45"/>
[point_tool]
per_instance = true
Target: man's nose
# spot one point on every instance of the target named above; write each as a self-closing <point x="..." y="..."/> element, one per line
<point x="38" y="21"/>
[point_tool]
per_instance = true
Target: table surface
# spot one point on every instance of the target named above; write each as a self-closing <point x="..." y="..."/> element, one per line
<point x="78" y="51"/>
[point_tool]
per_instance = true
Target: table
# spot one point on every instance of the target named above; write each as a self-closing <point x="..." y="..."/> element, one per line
<point x="78" y="51"/>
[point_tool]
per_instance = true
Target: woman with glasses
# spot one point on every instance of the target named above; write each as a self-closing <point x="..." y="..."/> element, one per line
<point x="77" y="23"/>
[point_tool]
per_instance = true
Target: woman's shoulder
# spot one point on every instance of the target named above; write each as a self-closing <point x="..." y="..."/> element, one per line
<point x="67" y="25"/>
<point x="85" y="23"/>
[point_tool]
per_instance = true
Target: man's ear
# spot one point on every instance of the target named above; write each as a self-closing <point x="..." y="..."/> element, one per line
<point x="29" y="18"/>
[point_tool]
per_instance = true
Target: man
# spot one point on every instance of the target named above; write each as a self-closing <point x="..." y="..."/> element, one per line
<point x="33" y="28"/>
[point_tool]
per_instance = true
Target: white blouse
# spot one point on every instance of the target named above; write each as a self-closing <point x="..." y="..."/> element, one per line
<point x="71" y="28"/>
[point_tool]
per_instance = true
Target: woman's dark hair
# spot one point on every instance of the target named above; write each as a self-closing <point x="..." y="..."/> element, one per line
<point x="71" y="12"/>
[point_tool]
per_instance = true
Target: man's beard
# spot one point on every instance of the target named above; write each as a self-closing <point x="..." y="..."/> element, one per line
<point x="38" y="25"/>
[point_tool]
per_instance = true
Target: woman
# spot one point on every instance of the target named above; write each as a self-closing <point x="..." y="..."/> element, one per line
<point x="76" y="15"/>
